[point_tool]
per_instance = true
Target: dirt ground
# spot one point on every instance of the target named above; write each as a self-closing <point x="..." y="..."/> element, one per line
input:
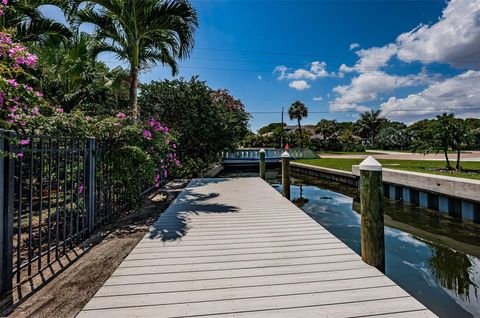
<point x="70" y="291"/>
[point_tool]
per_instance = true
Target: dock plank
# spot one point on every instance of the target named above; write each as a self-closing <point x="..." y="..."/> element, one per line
<point x="236" y="247"/>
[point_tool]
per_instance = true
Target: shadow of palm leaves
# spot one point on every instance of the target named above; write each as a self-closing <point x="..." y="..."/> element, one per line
<point x="174" y="223"/>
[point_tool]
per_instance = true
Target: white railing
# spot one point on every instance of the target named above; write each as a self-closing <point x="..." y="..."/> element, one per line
<point x="253" y="154"/>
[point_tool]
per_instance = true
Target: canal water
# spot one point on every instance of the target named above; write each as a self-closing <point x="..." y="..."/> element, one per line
<point x="432" y="256"/>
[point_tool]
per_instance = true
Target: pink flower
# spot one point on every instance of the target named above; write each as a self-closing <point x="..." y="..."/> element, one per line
<point x="59" y="110"/>
<point x="147" y="134"/>
<point x="80" y="188"/>
<point x="117" y="124"/>
<point x="4" y="2"/>
<point x="24" y="142"/>
<point x="20" y="154"/>
<point x="121" y="116"/>
<point x="174" y="146"/>
<point x="38" y="94"/>
<point x="13" y="83"/>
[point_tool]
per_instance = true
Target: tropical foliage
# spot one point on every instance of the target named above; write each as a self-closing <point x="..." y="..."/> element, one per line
<point x="206" y="121"/>
<point x="30" y="25"/>
<point x="298" y="111"/>
<point x="443" y="134"/>
<point x="141" y="33"/>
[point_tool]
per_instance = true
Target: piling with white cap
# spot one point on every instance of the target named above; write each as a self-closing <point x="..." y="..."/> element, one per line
<point x="262" y="163"/>
<point x="371" y="202"/>
<point x="286" y="175"/>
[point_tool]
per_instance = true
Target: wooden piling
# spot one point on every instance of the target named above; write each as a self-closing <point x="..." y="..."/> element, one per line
<point x="262" y="163"/>
<point x="286" y="175"/>
<point x="371" y="201"/>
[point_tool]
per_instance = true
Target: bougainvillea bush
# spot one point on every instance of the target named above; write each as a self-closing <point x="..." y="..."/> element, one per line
<point x="131" y="154"/>
<point x="19" y="102"/>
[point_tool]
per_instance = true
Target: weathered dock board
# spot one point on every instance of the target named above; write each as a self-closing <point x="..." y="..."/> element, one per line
<point x="236" y="247"/>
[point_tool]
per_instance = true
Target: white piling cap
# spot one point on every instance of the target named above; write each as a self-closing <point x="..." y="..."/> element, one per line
<point x="262" y="150"/>
<point x="370" y="164"/>
<point x="285" y="155"/>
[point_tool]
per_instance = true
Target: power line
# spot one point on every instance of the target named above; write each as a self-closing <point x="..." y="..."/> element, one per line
<point x="303" y="64"/>
<point x="317" y="55"/>
<point x="270" y="72"/>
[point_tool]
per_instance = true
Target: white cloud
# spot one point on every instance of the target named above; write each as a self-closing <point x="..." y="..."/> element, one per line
<point x="371" y="59"/>
<point x="354" y="46"/>
<point x="454" y="39"/>
<point x="317" y="70"/>
<point x="318" y="99"/>
<point x="459" y="94"/>
<point x="299" y="85"/>
<point x="259" y="77"/>
<point x="367" y="87"/>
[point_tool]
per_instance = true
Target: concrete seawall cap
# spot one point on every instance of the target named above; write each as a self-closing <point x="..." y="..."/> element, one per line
<point x="262" y="150"/>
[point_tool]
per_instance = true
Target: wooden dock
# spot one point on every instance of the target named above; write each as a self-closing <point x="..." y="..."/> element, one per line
<point x="237" y="248"/>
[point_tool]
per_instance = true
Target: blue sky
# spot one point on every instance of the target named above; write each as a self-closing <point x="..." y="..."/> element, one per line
<point x="412" y="59"/>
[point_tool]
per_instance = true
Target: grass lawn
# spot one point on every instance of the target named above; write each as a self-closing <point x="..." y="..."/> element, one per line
<point x="344" y="153"/>
<point x="423" y="166"/>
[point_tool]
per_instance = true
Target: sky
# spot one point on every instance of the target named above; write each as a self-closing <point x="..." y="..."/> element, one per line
<point x="411" y="59"/>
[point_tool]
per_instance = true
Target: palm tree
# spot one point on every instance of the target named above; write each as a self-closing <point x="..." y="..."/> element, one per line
<point x="30" y="25"/>
<point x="71" y="77"/>
<point x="298" y="111"/>
<point x="369" y="124"/>
<point x="142" y="32"/>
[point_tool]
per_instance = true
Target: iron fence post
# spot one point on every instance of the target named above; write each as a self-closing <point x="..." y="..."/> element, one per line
<point x="91" y="206"/>
<point x="6" y="216"/>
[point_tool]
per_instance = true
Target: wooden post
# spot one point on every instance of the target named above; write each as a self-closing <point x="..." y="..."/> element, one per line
<point x="262" y="163"/>
<point x="286" y="175"/>
<point x="371" y="202"/>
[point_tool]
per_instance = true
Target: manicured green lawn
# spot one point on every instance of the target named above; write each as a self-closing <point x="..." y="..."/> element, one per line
<point x="423" y="166"/>
<point x="343" y="153"/>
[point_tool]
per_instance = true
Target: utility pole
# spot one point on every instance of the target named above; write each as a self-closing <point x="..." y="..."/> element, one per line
<point x="281" y="135"/>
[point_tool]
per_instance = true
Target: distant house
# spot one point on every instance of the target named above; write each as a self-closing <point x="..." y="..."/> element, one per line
<point x="289" y="129"/>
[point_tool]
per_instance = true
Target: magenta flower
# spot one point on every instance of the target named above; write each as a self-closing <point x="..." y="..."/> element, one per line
<point x="24" y="142"/>
<point x="147" y="134"/>
<point x="20" y="154"/>
<point x="13" y="83"/>
<point x="121" y="115"/>
<point x="80" y="188"/>
<point x="60" y="110"/>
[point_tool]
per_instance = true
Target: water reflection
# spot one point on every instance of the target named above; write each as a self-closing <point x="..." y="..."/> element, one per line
<point x="433" y="257"/>
<point x="452" y="269"/>
<point x="300" y="201"/>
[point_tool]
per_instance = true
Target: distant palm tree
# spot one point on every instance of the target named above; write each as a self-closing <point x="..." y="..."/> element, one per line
<point x="142" y="32"/>
<point x="298" y="111"/>
<point x="369" y="124"/>
<point x="30" y="25"/>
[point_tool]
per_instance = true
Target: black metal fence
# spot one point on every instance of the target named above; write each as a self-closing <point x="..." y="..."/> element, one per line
<point x="54" y="193"/>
